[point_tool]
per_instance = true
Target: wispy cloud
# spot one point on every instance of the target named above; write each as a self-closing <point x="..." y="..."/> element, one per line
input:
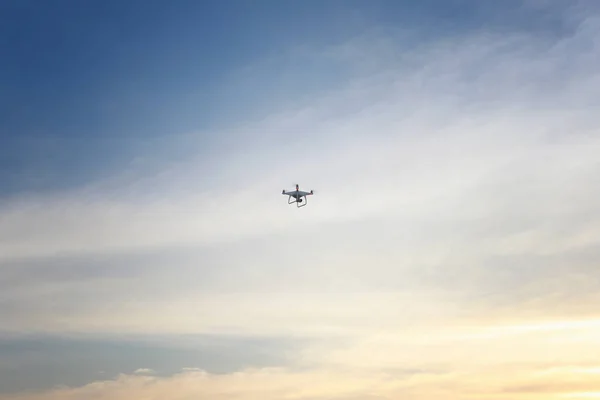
<point x="465" y="158"/>
<point x="438" y="121"/>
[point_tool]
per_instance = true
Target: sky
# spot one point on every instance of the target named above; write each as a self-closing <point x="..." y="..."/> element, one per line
<point x="450" y="250"/>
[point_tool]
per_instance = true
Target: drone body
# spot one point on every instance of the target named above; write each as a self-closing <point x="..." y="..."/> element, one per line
<point x="297" y="195"/>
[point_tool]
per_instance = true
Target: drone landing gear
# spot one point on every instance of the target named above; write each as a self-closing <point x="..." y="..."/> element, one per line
<point x="297" y="201"/>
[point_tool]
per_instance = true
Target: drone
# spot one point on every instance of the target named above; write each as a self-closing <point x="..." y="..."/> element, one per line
<point x="297" y="195"/>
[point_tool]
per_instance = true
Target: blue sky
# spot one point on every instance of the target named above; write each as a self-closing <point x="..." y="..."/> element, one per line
<point x="87" y="87"/>
<point x="145" y="247"/>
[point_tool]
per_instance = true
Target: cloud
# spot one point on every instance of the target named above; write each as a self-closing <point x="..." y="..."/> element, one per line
<point x="250" y="384"/>
<point x="516" y="381"/>
<point x="144" y="371"/>
<point x="28" y="362"/>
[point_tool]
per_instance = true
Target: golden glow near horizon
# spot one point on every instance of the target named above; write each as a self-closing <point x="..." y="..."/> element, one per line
<point x="519" y="362"/>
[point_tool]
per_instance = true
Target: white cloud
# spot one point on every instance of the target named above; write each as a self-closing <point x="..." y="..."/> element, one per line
<point x="144" y="371"/>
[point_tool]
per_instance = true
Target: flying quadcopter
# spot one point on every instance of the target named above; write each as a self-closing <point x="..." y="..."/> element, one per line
<point x="297" y="195"/>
